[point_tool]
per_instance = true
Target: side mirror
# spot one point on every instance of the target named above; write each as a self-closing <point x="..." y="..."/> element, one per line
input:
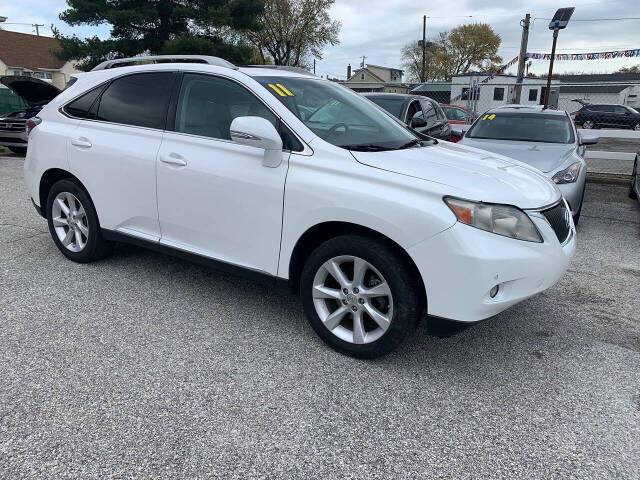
<point x="260" y="133"/>
<point x="417" y="122"/>
<point x="457" y="132"/>
<point x="588" y="140"/>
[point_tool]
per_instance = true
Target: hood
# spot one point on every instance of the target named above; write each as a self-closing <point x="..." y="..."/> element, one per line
<point x="471" y="173"/>
<point x="34" y="92"/>
<point x="546" y="157"/>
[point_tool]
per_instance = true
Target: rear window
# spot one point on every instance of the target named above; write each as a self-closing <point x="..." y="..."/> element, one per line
<point x="391" y="105"/>
<point x="140" y="100"/>
<point x="530" y="127"/>
<point x="81" y="107"/>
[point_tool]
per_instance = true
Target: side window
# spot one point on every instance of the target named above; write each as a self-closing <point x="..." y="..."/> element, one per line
<point x="414" y="111"/>
<point x="498" y="93"/>
<point x="440" y="114"/>
<point x="140" y="100"/>
<point x="85" y="105"/>
<point x="620" y="110"/>
<point x="430" y="115"/>
<point x="207" y="105"/>
<point x="533" y="94"/>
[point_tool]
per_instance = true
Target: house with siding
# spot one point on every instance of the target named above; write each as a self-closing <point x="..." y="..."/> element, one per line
<point x="375" y="78"/>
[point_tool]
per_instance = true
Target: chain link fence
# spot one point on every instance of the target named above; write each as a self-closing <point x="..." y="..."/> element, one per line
<point x="602" y="105"/>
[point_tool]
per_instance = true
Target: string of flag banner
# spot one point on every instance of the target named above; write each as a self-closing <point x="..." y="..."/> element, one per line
<point x="561" y="57"/>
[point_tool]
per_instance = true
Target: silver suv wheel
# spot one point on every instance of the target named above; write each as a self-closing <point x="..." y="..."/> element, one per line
<point x="70" y="221"/>
<point x="352" y="299"/>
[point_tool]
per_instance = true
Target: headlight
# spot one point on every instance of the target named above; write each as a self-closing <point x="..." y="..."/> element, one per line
<point x="569" y="174"/>
<point x="500" y="219"/>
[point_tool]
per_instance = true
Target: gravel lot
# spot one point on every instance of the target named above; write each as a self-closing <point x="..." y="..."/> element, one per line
<point x="143" y="366"/>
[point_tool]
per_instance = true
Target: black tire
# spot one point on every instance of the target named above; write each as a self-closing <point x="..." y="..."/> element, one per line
<point x="576" y="217"/>
<point x="96" y="247"/>
<point x="18" y="150"/>
<point x="400" y="274"/>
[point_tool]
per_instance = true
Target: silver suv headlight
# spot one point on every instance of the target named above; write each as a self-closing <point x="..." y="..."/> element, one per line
<point x="568" y="175"/>
<point x="495" y="218"/>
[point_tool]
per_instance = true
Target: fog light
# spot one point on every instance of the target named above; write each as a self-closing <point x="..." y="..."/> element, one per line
<point x="494" y="291"/>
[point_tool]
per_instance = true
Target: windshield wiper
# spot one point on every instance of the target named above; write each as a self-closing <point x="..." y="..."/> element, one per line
<point x="367" y="147"/>
<point x="411" y="143"/>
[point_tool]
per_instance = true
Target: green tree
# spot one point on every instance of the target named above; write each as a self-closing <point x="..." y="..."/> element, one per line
<point x="632" y="69"/>
<point x="158" y="27"/>
<point x="294" y="31"/>
<point x="467" y="47"/>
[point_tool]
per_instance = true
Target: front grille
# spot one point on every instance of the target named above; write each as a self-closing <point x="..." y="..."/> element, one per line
<point x="12" y="140"/>
<point x="558" y="218"/>
<point x="7" y="125"/>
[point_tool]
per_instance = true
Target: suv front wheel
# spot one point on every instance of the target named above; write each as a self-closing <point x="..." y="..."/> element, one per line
<point x="73" y="223"/>
<point x="361" y="296"/>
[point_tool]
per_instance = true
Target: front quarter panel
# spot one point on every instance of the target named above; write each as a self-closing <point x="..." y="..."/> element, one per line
<point x="331" y="186"/>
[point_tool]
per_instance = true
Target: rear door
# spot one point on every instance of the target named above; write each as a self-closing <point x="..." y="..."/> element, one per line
<point x="113" y="151"/>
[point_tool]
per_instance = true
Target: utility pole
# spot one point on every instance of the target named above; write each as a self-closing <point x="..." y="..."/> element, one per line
<point x="363" y="59"/>
<point x="424" y="49"/>
<point x="314" y="66"/>
<point x="521" y="58"/>
<point x="37" y="29"/>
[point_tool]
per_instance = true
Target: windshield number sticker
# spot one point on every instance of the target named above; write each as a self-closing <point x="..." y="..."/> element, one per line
<point x="281" y="90"/>
<point x="489" y="117"/>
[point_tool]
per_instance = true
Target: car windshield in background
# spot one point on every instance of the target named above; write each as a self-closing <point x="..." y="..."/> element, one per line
<point x="391" y="105"/>
<point x="453" y="113"/>
<point x="528" y="127"/>
<point x="339" y="115"/>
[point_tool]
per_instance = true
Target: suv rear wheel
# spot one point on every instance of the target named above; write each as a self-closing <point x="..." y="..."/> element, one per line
<point x="73" y="223"/>
<point x="360" y="295"/>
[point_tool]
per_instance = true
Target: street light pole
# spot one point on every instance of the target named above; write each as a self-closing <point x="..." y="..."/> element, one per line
<point x="558" y="22"/>
<point x="424" y="49"/>
<point x="553" y="56"/>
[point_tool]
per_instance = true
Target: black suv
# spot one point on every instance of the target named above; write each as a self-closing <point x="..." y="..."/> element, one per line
<point x="607" y="116"/>
<point x="422" y="114"/>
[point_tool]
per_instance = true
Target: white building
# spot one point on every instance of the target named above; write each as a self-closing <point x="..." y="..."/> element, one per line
<point x="480" y="92"/>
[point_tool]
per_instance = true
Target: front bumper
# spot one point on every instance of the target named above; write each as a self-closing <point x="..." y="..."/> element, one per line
<point x="462" y="264"/>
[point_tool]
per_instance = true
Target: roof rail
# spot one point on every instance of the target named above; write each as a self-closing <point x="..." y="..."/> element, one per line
<point x="284" y="67"/>
<point x="124" y="62"/>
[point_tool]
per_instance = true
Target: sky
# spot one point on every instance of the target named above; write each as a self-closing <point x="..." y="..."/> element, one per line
<point x="378" y="29"/>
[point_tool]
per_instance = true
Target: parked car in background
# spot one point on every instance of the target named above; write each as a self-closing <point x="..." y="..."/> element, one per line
<point x="544" y="139"/>
<point x="422" y="114"/>
<point x="13" y="126"/>
<point x="607" y="116"/>
<point x="634" y="188"/>
<point x="458" y="115"/>
<point x="371" y="224"/>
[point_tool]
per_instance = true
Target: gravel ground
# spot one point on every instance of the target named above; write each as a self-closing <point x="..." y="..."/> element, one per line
<point x="143" y="366"/>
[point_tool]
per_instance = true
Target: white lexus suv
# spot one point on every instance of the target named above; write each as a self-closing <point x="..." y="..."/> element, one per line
<point x="297" y="181"/>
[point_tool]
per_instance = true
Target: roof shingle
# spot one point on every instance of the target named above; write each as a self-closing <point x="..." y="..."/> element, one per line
<point x="29" y="51"/>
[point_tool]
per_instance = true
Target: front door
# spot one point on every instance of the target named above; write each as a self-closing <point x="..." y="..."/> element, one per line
<point x="215" y="198"/>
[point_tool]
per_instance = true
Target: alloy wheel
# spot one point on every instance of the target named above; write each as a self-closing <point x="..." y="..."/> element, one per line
<point x="636" y="126"/>
<point x="70" y="221"/>
<point x="352" y="299"/>
<point x="588" y="124"/>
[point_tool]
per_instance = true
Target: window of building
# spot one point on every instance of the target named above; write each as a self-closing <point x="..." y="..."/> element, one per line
<point x="533" y="94"/>
<point x="498" y="93"/>
<point x="140" y="100"/>
<point x="362" y="76"/>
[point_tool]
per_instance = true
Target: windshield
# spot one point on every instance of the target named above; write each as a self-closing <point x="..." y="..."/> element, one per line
<point x="453" y="113"/>
<point x="633" y="110"/>
<point x="528" y="127"/>
<point x="391" y="105"/>
<point x="339" y="115"/>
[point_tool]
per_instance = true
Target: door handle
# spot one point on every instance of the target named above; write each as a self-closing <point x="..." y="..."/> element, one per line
<point x="173" y="159"/>
<point x="81" y="142"/>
